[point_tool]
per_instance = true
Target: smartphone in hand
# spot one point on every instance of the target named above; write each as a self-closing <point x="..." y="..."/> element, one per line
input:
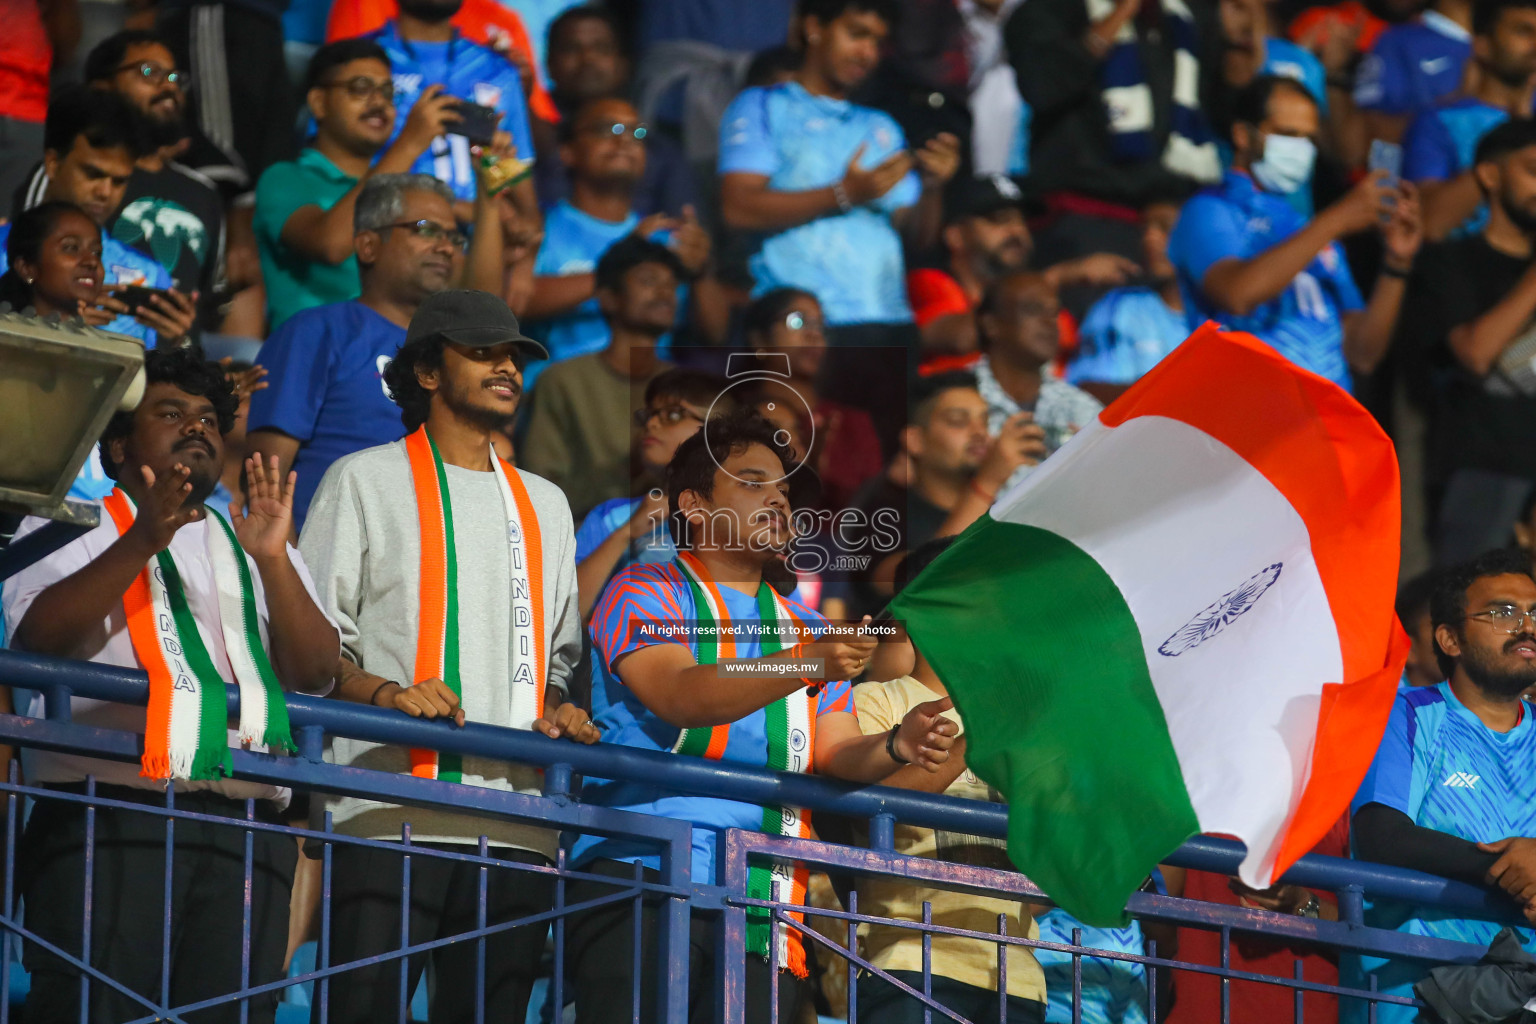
<point x="135" y="296"/>
<point x="477" y="123"/>
<point x="1386" y="156"/>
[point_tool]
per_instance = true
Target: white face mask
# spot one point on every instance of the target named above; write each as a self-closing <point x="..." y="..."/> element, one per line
<point x="1287" y="164"/>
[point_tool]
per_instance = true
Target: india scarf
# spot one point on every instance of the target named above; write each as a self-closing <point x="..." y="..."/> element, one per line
<point x="186" y="734"/>
<point x="1191" y="147"/>
<point x="437" y="643"/>
<point x="790" y="726"/>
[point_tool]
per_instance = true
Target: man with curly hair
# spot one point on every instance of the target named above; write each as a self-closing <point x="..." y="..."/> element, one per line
<point x="169" y="586"/>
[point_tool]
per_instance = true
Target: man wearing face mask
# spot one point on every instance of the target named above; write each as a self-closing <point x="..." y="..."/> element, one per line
<point x="1247" y="259"/>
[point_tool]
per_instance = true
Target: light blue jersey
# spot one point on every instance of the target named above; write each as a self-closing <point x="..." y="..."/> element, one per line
<point x="1237" y="219"/>
<point x="1439" y="145"/>
<point x="470" y="72"/>
<point x="852" y="262"/>
<point x="1113" y="991"/>
<point x="120" y="264"/>
<point x="1440" y="765"/>
<point x="1124" y="335"/>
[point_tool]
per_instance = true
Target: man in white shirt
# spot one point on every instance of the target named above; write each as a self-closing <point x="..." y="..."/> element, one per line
<point x="159" y="587"/>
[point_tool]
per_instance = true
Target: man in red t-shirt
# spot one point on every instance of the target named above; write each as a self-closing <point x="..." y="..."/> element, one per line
<point x="35" y="30"/>
<point x="986" y="237"/>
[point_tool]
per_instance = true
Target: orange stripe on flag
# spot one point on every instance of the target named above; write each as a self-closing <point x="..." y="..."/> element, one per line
<point x="140" y="612"/>
<point x="434" y="566"/>
<point x="533" y="549"/>
<point x="1338" y="469"/>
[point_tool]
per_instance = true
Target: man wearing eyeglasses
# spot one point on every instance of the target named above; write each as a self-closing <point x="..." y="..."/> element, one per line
<point x="1452" y="791"/>
<point x="326" y="397"/>
<point x="604" y="149"/>
<point x="304" y="207"/>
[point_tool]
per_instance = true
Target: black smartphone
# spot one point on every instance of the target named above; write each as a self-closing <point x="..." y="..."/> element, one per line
<point x="477" y="123"/>
<point x="135" y="295"/>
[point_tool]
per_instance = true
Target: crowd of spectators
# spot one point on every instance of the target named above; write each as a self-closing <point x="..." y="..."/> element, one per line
<point x="888" y="255"/>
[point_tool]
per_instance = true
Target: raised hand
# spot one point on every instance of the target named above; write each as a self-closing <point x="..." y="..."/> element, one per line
<point x="1403" y="232"/>
<point x="265" y="523"/>
<point x="925" y="735"/>
<point x="434" y="110"/>
<point x="170" y="314"/>
<point x="163" y="509"/>
<point x="690" y="243"/>
<point x="245" y="382"/>
<point x="842" y="659"/>
<point x="862" y="185"/>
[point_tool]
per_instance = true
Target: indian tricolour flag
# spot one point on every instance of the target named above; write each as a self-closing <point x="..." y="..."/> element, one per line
<point x="1181" y="623"/>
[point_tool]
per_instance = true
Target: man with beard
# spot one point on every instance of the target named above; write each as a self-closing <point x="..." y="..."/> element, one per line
<point x="304" y="207"/>
<point x="604" y="149"/>
<point x="1451" y="791"/>
<point x="327" y="396"/>
<point x="1438" y="148"/>
<point x="173" y="210"/>
<point x="1465" y="325"/>
<point x="426" y="51"/>
<point x="581" y="415"/>
<point x="985" y="237"/>
<point x="392" y="529"/>
<point x="104" y="598"/>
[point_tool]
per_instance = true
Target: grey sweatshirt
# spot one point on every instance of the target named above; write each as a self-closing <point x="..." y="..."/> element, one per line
<point x="362" y="542"/>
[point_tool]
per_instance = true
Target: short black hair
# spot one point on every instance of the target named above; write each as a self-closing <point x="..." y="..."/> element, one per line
<point x="400" y="380"/>
<point x="1252" y="103"/>
<point x="693" y="466"/>
<point x="104" y="119"/>
<point x="1510" y="137"/>
<point x="107" y="56"/>
<point x="1486" y="13"/>
<point x="1448" y="601"/>
<point x="630" y="252"/>
<point x="926" y="392"/>
<point x="342" y="51"/>
<point x="584" y="12"/>
<point x="770" y="308"/>
<point x="185" y="368"/>
<point x="25" y="242"/>
<point x="695" y="386"/>
<point x="770" y="63"/>
<point x="830" y="10"/>
<point x="1414" y="595"/>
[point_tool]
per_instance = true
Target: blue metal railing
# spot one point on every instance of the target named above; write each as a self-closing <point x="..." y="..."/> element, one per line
<point x="559" y="808"/>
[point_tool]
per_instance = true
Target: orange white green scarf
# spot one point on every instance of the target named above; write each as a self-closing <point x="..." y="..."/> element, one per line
<point x="437" y="644"/>
<point x="790" y="727"/>
<point x="186" y="733"/>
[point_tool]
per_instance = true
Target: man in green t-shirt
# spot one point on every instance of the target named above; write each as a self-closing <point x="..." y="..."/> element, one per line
<point x="304" y="207"/>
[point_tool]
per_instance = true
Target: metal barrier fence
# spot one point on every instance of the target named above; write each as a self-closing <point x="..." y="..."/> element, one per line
<point x="725" y="900"/>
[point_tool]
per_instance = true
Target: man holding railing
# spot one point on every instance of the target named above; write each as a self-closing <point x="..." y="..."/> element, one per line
<point x="453" y="577"/>
<point x="169" y="586"/>
<point x="700" y="656"/>
<point x="1453" y="788"/>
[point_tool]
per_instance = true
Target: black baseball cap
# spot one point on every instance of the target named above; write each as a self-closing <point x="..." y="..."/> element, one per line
<point x="1510" y="137"/>
<point x="471" y="318"/>
<point x="981" y="196"/>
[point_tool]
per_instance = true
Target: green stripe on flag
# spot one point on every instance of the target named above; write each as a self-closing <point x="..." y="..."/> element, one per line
<point x="1045" y="663"/>
<point x="450" y="767"/>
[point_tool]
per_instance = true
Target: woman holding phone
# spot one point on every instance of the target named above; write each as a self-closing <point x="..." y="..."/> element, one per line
<point x="54" y="255"/>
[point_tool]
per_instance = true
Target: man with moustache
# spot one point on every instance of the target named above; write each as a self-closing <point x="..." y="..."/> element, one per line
<point x="104" y="598"/>
<point x="1465" y="324"/>
<point x="304" y="207"/>
<point x="391" y="530"/>
<point x="1451" y="791"/>
<point x="327" y="396"/>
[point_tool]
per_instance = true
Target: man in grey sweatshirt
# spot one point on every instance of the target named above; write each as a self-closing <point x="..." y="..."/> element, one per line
<point x="452" y="577"/>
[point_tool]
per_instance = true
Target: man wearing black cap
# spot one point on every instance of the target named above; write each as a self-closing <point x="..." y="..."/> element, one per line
<point x="986" y="237"/>
<point x="452" y="576"/>
<point x="1466" y="327"/>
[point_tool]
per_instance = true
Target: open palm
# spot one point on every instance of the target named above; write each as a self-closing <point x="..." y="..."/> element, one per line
<point x="266" y="522"/>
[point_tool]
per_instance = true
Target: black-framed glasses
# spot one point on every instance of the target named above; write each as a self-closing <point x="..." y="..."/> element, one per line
<point x="154" y="74"/>
<point x="671" y="415"/>
<point x="362" y="87"/>
<point x="638" y="132"/>
<point x="1507" y="617"/>
<point x="432" y="231"/>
